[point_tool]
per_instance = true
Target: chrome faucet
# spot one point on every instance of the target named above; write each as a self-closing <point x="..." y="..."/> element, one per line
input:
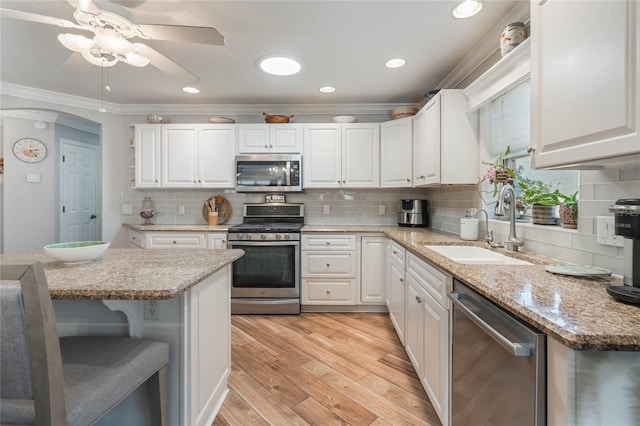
<point x="513" y="242"/>
<point x="489" y="237"/>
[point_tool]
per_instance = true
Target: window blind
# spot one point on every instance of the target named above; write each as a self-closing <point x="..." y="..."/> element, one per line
<point x="511" y="121"/>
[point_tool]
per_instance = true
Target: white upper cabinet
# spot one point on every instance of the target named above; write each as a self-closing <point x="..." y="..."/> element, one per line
<point x="269" y="138"/>
<point x="585" y="82"/>
<point x="341" y="156"/>
<point x="395" y="153"/>
<point x="147" y="156"/>
<point x="445" y="141"/>
<point x="216" y="152"/>
<point x="185" y="155"/>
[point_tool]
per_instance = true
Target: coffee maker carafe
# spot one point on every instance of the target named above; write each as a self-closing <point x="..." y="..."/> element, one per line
<point x="627" y="225"/>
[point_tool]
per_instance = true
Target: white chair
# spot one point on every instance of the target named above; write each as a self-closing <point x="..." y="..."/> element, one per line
<point x="46" y="380"/>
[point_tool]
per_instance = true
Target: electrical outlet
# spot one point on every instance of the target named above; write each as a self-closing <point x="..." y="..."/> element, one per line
<point x="181" y="209"/>
<point x="382" y="209"/>
<point x="326" y="209"/>
<point x="151" y="310"/>
<point x="606" y="232"/>
<point x="127" y="209"/>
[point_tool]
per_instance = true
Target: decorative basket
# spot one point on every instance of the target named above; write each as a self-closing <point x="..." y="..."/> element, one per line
<point x="276" y="118"/>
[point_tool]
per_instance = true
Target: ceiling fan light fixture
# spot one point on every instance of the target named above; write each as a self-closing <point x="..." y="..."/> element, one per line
<point x="467" y="9"/>
<point x="112" y="41"/>
<point x="190" y="89"/>
<point x="135" y="59"/>
<point x="99" y="59"/>
<point x="279" y="65"/>
<point x="395" y="63"/>
<point x="76" y="43"/>
<point x="327" y="89"/>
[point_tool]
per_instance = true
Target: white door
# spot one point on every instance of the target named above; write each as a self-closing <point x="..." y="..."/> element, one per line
<point x="395" y="153"/>
<point x="432" y="152"/>
<point x="322" y="156"/>
<point x="253" y="138"/>
<point x="373" y="270"/>
<point x="179" y="155"/>
<point x="147" y="153"/>
<point x="361" y="156"/>
<point x="79" y="192"/>
<point x="285" y="138"/>
<point x="216" y="155"/>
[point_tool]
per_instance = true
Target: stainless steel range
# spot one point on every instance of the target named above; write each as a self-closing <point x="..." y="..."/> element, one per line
<point x="266" y="280"/>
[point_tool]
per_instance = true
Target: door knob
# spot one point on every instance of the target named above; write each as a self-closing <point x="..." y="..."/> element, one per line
<point x="93" y="216"/>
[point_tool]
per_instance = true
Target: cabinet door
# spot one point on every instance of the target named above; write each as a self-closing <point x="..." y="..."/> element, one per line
<point x="586" y="88"/>
<point x="373" y="268"/>
<point x="179" y="155"/>
<point x="253" y="138"/>
<point x="413" y="340"/>
<point x="435" y="368"/>
<point x="217" y="240"/>
<point x="419" y="148"/>
<point x="431" y="159"/>
<point x="395" y="153"/>
<point x="361" y="155"/>
<point x="322" y="156"/>
<point x="285" y="138"/>
<point x="397" y="300"/>
<point x="216" y="156"/>
<point x="147" y="153"/>
<point x="168" y="240"/>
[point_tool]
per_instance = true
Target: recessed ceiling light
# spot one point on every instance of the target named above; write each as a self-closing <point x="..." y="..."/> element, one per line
<point x="279" y="65"/>
<point x="327" y="89"/>
<point x="467" y="9"/>
<point x="190" y="89"/>
<point x="395" y="63"/>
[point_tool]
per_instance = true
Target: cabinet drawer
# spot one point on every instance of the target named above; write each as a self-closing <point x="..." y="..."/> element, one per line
<point x="397" y="253"/>
<point x="136" y="238"/>
<point x="329" y="264"/>
<point x="324" y="292"/>
<point x="328" y="242"/>
<point x="168" y="240"/>
<point x="436" y="283"/>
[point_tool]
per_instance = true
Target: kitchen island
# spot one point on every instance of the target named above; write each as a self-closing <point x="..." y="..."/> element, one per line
<point x="179" y="296"/>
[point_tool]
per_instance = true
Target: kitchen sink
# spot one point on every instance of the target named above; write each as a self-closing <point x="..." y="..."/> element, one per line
<point x="476" y="255"/>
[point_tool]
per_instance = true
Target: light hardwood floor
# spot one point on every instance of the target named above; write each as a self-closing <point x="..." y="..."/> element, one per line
<point x="321" y="369"/>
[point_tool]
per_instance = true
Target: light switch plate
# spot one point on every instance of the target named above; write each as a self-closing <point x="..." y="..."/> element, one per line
<point x="33" y="177"/>
<point x="381" y="209"/>
<point x="326" y="209"/>
<point x="181" y="209"/>
<point x="606" y="232"/>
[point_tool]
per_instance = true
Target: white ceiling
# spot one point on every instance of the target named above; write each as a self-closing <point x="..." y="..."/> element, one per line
<point x="339" y="43"/>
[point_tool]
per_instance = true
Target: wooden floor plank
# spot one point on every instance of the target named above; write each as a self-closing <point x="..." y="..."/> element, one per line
<point x="321" y="369"/>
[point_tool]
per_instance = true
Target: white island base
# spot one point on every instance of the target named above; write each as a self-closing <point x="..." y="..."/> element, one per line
<point x="197" y="327"/>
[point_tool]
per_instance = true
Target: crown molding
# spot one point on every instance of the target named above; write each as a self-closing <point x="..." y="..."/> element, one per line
<point x="194" y="109"/>
<point x="486" y="47"/>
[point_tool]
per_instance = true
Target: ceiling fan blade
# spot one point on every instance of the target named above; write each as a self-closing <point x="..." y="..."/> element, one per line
<point x="202" y="35"/>
<point x="167" y="66"/>
<point x="34" y="17"/>
<point x="86" y="6"/>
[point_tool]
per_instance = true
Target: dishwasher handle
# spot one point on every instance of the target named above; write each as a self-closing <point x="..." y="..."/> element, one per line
<point x="517" y="349"/>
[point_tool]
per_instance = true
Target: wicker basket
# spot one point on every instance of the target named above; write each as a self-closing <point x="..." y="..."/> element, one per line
<point x="276" y="118"/>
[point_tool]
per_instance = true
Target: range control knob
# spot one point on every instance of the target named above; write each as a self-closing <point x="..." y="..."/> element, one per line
<point x="278" y="236"/>
<point x="287" y="237"/>
<point x="239" y="236"/>
<point x="247" y="237"/>
<point x="263" y="237"/>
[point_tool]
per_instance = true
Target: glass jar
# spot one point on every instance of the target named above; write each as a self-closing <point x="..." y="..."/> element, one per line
<point x="511" y="36"/>
<point x="147" y="211"/>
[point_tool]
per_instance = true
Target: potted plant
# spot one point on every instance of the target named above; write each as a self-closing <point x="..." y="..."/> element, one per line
<point x="544" y="202"/>
<point x="569" y="210"/>
<point x="498" y="172"/>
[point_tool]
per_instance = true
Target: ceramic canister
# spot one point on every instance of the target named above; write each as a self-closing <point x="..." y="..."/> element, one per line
<point x="469" y="228"/>
<point x="512" y="35"/>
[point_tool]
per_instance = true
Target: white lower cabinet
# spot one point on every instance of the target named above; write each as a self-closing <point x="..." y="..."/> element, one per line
<point x="427" y="331"/>
<point x="217" y="240"/>
<point x="178" y="240"/>
<point x="396" y="288"/>
<point x="373" y="270"/>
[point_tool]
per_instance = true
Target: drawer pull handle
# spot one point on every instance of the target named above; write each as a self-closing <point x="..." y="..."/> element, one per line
<point x="328" y="243"/>
<point x="395" y="252"/>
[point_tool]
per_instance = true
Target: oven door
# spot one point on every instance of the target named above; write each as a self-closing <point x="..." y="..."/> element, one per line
<point x="267" y="269"/>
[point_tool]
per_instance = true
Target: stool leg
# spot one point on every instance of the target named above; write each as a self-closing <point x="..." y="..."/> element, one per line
<point x="157" y="391"/>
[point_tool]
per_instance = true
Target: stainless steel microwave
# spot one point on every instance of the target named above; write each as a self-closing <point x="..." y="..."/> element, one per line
<point x="269" y="173"/>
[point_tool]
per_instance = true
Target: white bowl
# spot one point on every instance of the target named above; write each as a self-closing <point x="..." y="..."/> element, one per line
<point x="76" y="252"/>
<point x="344" y="119"/>
<point x="221" y="120"/>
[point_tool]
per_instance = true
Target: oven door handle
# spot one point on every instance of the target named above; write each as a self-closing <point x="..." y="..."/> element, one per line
<point x="239" y="244"/>
<point x="517" y="349"/>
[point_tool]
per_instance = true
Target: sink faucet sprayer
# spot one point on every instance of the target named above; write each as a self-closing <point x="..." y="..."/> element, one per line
<point x="513" y="242"/>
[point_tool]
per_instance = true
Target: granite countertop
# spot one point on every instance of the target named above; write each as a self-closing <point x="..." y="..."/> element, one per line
<point x="176" y="228"/>
<point x="128" y="273"/>
<point x="577" y="312"/>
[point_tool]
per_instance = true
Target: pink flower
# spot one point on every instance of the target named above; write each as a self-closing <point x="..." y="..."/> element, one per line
<point x="491" y="173"/>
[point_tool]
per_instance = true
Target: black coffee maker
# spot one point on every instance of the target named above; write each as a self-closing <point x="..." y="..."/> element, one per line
<point x="627" y="225"/>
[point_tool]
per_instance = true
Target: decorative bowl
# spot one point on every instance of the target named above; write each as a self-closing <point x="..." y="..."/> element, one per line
<point x="276" y="118"/>
<point x="76" y="252"/>
<point x="401" y="112"/>
<point x="344" y="119"/>
<point x="221" y="120"/>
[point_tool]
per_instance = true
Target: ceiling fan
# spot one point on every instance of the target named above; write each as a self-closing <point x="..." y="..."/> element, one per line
<point x="112" y="33"/>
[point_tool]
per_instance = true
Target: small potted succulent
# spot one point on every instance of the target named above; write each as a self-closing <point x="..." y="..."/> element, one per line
<point x="569" y="210"/>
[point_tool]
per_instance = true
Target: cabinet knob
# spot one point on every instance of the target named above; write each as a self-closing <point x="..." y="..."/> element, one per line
<point x="224" y="241"/>
<point x="530" y="149"/>
<point x="266" y="146"/>
<point x="395" y="252"/>
<point x="419" y="299"/>
<point x="422" y="177"/>
<point x="338" y="181"/>
<point x="174" y="242"/>
<point x="328" y="292"/>
<point x="408" y="180"/>
<point x="328" y="243"/>
<point x="328" y="265"/>
<point x="401" y="280"/>
<point x="270" y="146"/>
<point x="344" y="181"/>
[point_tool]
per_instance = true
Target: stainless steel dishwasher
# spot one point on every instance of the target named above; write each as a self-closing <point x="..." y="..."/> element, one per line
<point x="498" y="365"/>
